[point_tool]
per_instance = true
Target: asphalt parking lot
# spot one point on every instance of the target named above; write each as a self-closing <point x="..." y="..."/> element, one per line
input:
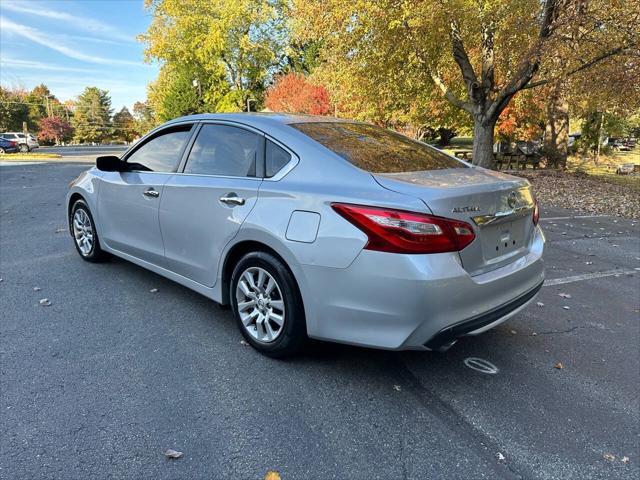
<point x="100" y="382"/>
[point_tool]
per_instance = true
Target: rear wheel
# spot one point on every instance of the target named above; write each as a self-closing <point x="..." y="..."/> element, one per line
<point x="2" y="152"/>
<point x="267" y="305"/>
<point x="84" y="232"/>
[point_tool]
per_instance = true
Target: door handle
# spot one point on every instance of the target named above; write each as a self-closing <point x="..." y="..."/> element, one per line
<point x="232" y="199"/>
<point x="151" y="192"/>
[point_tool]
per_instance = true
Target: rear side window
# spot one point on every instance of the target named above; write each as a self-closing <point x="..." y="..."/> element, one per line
<point x="376" y="149"/>
<point x="276" y="158"/>
<point x="223" y="150"/>
<point x="162" y="153"/>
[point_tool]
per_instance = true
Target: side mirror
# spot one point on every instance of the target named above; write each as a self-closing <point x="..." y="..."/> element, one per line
<point x="110" y="163"/>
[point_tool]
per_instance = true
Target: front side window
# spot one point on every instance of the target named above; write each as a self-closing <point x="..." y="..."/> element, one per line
<point x="161" y="153"/>
<point x="376" y="149"/>
<point x="223" y="150"/>
<point x="276" y="158"/>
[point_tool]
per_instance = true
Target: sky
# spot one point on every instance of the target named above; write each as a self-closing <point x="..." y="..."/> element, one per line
<point x="71" y="44"/>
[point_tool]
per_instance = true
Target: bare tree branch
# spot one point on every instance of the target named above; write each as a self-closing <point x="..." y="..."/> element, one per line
<point x="584" y="66"/>
<point x="449" y="95"/>
<point x="462" y="59"/>
<point x="488" y="32"/>
<point x="530" y="63"/>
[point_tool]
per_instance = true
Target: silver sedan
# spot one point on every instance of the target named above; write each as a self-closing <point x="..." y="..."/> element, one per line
<point x="317" y="227"/>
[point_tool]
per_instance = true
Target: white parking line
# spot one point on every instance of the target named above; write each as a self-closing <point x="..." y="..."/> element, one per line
<point x="587" y="276"/>
<point x="571" y="218"/>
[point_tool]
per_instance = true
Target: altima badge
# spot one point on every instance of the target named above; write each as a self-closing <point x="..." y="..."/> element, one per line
<point x="471" y="208"/>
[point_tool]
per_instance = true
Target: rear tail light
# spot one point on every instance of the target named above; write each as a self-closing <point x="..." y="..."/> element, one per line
<point x="398" y="231"/>
<point x="536" y="212"/>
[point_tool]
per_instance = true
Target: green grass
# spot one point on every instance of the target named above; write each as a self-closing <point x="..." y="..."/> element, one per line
<point x="461" y="142"/>
<point x="605" y="170"/>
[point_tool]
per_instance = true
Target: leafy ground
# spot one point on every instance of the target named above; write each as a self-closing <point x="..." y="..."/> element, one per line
<point x="585" y="186"/>
<point x="590" y="188"/>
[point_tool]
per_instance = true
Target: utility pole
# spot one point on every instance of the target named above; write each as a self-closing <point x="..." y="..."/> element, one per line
<point x="49" y="108"/>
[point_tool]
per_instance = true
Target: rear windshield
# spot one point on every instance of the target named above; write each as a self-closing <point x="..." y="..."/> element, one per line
<point x="376" y="149"/>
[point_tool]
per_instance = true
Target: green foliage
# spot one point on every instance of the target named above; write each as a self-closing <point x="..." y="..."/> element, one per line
<point x="124" y="125"/>
<point x="302" y="57"/>
<point x="41" y="104"/>
<point x="229" y="47"/>
<point x="13" y="110"/>
<point x="92" y="116"/>
<point x="597" y="126"/>
<point x="144" y="117"/>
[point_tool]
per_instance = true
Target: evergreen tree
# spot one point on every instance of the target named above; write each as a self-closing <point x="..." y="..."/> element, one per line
<point x="92" y="116"/>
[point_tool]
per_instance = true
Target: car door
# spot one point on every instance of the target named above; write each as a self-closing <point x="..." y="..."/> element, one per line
<point x="203" y="206"/>
<point x="128" y="201"/>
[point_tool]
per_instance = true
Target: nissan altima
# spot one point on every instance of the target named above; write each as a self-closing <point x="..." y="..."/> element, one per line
<point x="316" y="227"/>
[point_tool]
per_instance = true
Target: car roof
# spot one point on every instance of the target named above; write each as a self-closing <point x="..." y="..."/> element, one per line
<point x="259" y="119"/>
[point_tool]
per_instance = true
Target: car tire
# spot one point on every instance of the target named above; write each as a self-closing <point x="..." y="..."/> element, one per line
<point x="23" y="148"/>
<point x="84" y="234"/>
<point x="272" y="304"/>
<point x="2" y="152"/>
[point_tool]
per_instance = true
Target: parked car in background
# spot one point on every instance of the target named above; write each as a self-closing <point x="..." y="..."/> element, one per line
<point x="572" y="138"/>
<point x="319" y="227"/>
<point x="8" y="146"/>
<point x="25" y="143"/>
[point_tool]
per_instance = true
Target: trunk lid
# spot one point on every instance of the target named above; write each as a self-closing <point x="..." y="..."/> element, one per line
<point x="498" y="206"/>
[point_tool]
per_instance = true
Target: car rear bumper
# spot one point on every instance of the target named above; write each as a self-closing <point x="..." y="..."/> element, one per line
<point x="416" y="302"/>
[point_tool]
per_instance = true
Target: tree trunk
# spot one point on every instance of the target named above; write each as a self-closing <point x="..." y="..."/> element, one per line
<point x="599" y="139"/>
<point x="556" y="135"/>
<point x="483" y="144"/>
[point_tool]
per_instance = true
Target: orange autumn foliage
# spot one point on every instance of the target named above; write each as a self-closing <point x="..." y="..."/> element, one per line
<point x="294" y="93"/>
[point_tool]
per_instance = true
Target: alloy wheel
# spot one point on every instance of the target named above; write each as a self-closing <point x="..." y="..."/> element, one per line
<point x="260" y="305"/>
<point x="83" y="231"/>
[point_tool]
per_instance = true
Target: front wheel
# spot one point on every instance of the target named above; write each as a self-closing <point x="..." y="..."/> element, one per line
<point x="24" y="148"/>
<point x="267" y="305"/>
<point x="2" y="152"/>
<point x="84" y="232"/>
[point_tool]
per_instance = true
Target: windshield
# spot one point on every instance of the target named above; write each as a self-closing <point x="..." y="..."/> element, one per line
<point x="376" y="149"/>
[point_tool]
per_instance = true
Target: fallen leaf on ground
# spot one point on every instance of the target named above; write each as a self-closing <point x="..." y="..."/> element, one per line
<point x="566" y="307"/>
<point x="589" y="194"/>
<point x="45" y="302"/>
<point x="513" y="332"/>
<point x="564" y="295"/>
<point x="60" y="230"/>
<point x="397" y="387"/>
<point x="154" y="290"/>
<point x="559" y="366"/>
<point x="244" y="342"/>
<point x="588" y="263"/>
<point x="500" y="456"/>
<point x="608" y="456"/>
<point x="540" y="304"/>
<point x="36" y="289"/>
<point x="271" y="475"/>
<point x="624" y="459"/>
<point x="169" y="453"/>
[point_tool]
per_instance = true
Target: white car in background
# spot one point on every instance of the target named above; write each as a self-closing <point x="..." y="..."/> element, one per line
<point x="26" y="143"/>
